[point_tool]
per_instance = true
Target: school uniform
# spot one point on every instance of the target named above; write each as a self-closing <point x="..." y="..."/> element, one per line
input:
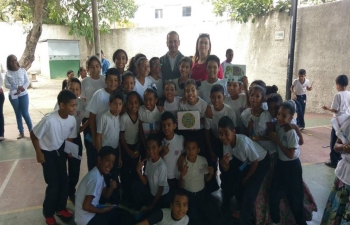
<point x="159" y="84"/>
<point x="287" y="179"/>
<point x="244" y="152"/>
<point x="341" y="103"/>
<point x="139" y="88"/>
<point x="156" y="173"/>
<point x="260" y="127"/>
<point x="97" y="105"/>
<point x="172" y="107"/>
<point x="150" y="119"/>
<point x="164" y="217"/>
<point x="238" y="106"/>
<point x="128" y="175"/>
<point x="201" y="205"/>
<point x="109" y="127"/>
<point x="300" y="92"/>
<point x="52" y="131"/>
<point x="92" y="184"/>
<point x="176" y="148"/>
<point x="205" y="88"/>
<point x="89" y="86"/>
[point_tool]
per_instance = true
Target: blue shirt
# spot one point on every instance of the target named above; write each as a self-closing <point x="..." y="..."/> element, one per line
<point x="105" y="66"/>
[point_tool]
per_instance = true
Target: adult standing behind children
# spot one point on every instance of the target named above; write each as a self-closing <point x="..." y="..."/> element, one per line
<point x="299" y="88"/>
<point x="16" y="79"/>
<point x="171" y="59"/>
<point x="199" y="68"/>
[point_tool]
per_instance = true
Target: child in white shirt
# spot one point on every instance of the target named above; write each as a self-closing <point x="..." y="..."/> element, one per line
<point x="130" y="146"/>
<point x="340" y="106"/>
<point x="154" y="75"/>
<point x="287" y="179"/>
<point x="176" y="215"/>
<point x="155" y="176"/>
<point x="128" y="84"/>
<point x="142" y="80"/>
<point x="244" y="165"/>
<point x="185" y="66"/>
<point x="171" y="102"/>
<point x="173" y="147"/>
<point x="236" y="101"/>
<point x="97" y="106"/>
<point x="48" y="138"/>
<point x="213" y="65"/>
<point x="149" y="114"/>
<point x="92" y="188"/>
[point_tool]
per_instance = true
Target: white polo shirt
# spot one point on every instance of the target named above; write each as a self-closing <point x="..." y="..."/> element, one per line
<point x="260" y="127"/>
<point x="205" y="88"/>
<point x="289" y="140"/>
<point x="341" y="103"/>
<point x="109" y="127"/>
<point x="238" y="106"/>
<point x="52" y="131"/>
<point x="245" y="149"/>
<point x="89" y="86"/>
<point x="92" y="184"/>
<point x="139" y="88"/>
<point x="194" y="179"/>
<point x="99" y="103"/>
<point x="172" y="107"/>
<point x="212" y="124"/>
<point x="130" y="129"/>
<point x="157" y="176"/>
<point x="299" y="88"/>
<point x="176" y="148"/>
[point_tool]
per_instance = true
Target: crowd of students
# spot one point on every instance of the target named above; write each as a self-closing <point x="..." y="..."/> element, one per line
<point x="248" y="144"/>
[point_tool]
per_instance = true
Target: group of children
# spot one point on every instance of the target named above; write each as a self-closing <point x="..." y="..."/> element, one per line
<point x="138" y="158"/>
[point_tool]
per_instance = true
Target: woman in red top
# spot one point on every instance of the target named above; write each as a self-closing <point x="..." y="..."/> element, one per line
<point x="203" y="48"/>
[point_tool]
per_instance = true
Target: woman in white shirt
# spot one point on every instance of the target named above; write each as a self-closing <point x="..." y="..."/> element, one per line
<point x="16" y="79"/>
<point x="2" y="99"/>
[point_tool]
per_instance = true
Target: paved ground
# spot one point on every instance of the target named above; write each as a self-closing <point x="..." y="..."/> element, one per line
<point x="22" y="186"/>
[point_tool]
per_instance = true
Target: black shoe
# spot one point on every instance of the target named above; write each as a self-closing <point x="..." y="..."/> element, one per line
<point x="330" y="164"/>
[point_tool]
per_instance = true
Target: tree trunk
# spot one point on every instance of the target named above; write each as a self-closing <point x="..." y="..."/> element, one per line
<point x="33" y="36"/>
<point x="89" y="45"/>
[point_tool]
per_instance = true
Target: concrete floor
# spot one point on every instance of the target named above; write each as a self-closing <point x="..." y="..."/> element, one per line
<point x="22" y="186"/>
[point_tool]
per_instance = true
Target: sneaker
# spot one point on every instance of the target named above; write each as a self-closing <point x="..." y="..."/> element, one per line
<point x="20" y="136"/>
<point x="330" y="164"/>
<point x="301" y="128"/>
<point x="64" y="213"/>
<point x="50" y="220"/>
<point x="2" y="138"/>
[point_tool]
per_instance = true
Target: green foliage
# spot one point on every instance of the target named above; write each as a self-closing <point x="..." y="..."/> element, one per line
<point x="79" y="15"/>
<point x="242" y="10"/>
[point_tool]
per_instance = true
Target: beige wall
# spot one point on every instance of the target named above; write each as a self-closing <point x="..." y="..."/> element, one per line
<point x="321" y="45"/>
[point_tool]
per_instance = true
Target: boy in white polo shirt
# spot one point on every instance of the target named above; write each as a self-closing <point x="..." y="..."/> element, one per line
<point x="192" y="177"/>
<point x="107" y="134"/>
<point x="173" y="147"/>
<point x="92" y="188"/>
<point x="244" y="166"/>
<point x="299" y="88"/>
<point x="48" y="138"/>
<point x="97" y="106"/>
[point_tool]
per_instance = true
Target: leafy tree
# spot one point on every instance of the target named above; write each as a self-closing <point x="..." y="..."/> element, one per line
<point x="79" y="16"/>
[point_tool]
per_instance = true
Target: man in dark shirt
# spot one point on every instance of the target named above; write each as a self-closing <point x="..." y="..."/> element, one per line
<point x="170" y="61"/>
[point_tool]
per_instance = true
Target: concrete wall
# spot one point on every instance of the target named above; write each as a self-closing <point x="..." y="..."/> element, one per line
<point x="322" y="45"/>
